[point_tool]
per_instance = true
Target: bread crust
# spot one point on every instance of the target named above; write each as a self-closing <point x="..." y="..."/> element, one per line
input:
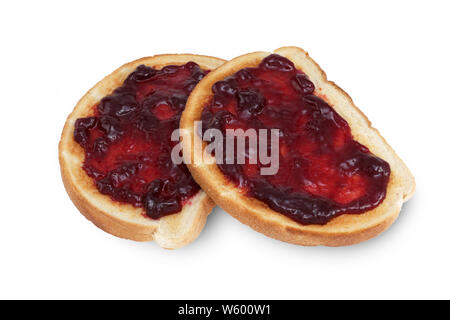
<point x="119" y="219"/>
<point x="343" y="230"/>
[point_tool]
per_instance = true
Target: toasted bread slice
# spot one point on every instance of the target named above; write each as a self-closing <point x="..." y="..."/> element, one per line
<point x="343" y="230"/>
<point x="119" y="219"/>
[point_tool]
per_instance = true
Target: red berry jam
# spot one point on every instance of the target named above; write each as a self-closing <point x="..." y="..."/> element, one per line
<point x="127" y="141"/>
<point x="323" y="172"/>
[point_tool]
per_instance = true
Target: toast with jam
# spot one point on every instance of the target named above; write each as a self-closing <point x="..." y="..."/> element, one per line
<point x="115" y="152"/>
<point x="336" y="181"/>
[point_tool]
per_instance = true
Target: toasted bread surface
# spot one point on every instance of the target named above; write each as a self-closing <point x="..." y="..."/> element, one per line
<point x="343" y="230"/>
<point x="120" y="219"/>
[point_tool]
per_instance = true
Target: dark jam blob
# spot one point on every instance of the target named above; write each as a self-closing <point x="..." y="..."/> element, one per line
<point x="301" y="83"/>
<point x="159" y="204"/>
<point x="228" y="88"/>
<point x="127" y="140"/>
<point x="82" y="128"/>
<point x="277" y="63"/>
<point x="323" y="171"/>
<point x="250" y="103"/>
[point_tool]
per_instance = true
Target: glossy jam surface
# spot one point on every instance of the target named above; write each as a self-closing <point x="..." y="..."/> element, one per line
<point x="323" y="172"/>
<point x="127" y="141"/>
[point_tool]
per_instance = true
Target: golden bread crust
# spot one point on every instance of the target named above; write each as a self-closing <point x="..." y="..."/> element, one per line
<point x="124" y="220"/>
<point x="346" y="229"/>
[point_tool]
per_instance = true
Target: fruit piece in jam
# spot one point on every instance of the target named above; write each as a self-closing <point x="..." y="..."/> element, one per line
<point x="127" y="140"/>
<point x="323" y="172"/>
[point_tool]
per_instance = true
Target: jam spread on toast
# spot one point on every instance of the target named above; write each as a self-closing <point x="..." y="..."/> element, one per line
<point x="323" y="172"/>
<point x="127" y="140"/>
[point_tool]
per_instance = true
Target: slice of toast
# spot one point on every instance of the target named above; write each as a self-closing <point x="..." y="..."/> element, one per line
<point x="120" y="219"/>
<point x="343" y="230"/>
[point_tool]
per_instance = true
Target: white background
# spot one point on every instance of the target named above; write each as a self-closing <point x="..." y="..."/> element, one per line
<point x="391" y="56"/>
